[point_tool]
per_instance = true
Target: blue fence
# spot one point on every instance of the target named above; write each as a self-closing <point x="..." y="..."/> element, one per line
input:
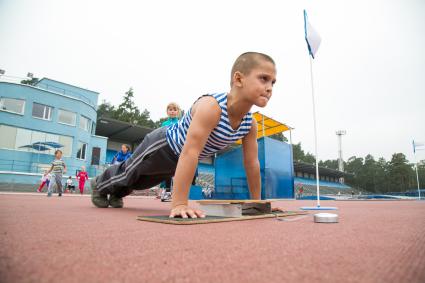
<point x="312" y="182"/>
<point x="33" y="167"/>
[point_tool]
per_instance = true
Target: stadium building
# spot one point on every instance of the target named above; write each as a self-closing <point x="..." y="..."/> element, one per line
<point x="37" y="120"/>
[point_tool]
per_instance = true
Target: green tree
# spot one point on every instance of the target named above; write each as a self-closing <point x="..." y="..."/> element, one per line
<point x="279" y="137"/>
<point x="32" y="81"/>
<point x="105" y="109"/>
<point x="145" y="120"/>
<point x="127" y="111"/>
<point x="400" y="173"/>
<point x="301" y="156"/>
<point x="421" y="174"/>
<point x="368" y="174"/>
<point x="353" y="166"/>
<point x="331" y="164"/>
<point x="381" y="174"/>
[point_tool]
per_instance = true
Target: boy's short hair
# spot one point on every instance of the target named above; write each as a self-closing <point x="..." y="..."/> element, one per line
<point x="58" y="150"/>
<point x="248" y="61"/>
<point x="173" y="104"/>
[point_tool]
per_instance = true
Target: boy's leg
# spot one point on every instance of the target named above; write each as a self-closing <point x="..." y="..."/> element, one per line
<point x="168" y="185"/>
<point x="58" y="179"/>
<point x="50" y="187"/>
<point x="152" y="161"/>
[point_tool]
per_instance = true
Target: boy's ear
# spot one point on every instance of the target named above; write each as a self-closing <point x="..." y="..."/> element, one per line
<point x="237" y="79"/>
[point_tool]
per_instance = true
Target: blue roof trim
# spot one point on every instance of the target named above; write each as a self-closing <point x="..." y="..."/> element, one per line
<point x="67" y="84"/>
<point x="53" y="92"/>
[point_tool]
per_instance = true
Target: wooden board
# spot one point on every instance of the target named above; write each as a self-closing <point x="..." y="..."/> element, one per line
<point x="214" y="219"/>
<point x="235" y="209"/>
<point x="225" y="201"/>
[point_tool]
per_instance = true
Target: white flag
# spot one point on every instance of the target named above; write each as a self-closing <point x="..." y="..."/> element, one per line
<point x="418" y="146"/>
<point x="312" y="37"/>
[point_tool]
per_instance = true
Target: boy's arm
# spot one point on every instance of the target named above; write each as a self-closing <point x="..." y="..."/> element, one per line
<point x="251" y="163"/>
<point x="50" y="170"/>
<point x="205" y="117"/>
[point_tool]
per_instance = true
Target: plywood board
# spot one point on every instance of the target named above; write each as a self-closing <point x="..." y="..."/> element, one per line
<point x="214" y="219"/>
<point x="235" y="209"/>
<point x="219" y="201"/>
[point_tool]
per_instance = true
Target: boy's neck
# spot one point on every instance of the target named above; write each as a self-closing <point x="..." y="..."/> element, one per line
<point x="237" y="107"/>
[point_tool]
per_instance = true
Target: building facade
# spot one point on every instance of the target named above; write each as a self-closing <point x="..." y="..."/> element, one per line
<point x="37" y="120"/>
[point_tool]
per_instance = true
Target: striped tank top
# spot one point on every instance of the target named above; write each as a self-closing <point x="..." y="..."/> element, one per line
<point x="222" y="136"/>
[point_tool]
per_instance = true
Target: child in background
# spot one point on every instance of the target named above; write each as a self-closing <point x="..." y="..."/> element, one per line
<point x="45" y="180"/>
<point x="214" y="122"/>
<point x="70" y="185"/>
<point x="82" y="177"/>
<point x="173" y="113"/>
<point x="123" y="155"/>
<point x="58" y="168"/>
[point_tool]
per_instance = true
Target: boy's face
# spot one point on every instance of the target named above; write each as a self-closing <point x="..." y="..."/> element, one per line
<point x="58" y="155"/>
<point x="172" y="112"/>
<point x="257" y="86"/>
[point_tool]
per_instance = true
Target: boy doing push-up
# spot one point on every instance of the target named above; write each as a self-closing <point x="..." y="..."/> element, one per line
<point x="214" y="122"/>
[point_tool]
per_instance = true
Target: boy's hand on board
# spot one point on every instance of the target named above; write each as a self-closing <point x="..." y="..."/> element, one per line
<point x="185" y="211"/>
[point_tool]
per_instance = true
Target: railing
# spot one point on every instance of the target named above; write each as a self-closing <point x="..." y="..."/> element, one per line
<point x="38" y="168"/>
<point x="44" y="86"/>
<point x="65" y="92"/>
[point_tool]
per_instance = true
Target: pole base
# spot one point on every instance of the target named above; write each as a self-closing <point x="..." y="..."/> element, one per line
<point x="318" y="208"/>
<point x="326" y="218"/>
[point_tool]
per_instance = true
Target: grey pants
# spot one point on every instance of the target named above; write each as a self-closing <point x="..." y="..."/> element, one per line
<point x="152" y="162"/>
<point x="55" y="179"/>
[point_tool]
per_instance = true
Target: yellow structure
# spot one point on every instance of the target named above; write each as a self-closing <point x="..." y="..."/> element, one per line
<point x="267" y="126"/>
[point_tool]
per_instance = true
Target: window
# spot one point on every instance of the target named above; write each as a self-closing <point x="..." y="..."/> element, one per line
<point x="67" y="117"/>
<point x="82" y="149"/>
<point x="95" y="156"/>
<point x="41" y="111"/>
<point x="8" y="135"/>
<point x="85" y="124"/>
<point x="93" y="128"/>
<point x="34" y="141"/>
<point x="12" y="105"/>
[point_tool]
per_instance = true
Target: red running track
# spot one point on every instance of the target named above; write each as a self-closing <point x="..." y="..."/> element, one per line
<point x="68" y="240"/>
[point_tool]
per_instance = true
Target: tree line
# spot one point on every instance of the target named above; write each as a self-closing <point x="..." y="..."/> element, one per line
<point x="370" y="174"/>
<point x="127" y="111"/>
<point x="367" y="174"/>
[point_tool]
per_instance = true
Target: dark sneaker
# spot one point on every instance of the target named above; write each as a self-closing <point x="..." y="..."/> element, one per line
<point x="97" y="199"/>
<point x="115" y="202"/>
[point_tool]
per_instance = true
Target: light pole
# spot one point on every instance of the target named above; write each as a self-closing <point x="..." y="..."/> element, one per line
<point x="340" y="133"/>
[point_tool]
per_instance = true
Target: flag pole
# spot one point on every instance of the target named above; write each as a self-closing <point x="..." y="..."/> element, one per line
<point x="312" y="45"/>
<point x="315" y="133"/>
<point x="416" y="167"/>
